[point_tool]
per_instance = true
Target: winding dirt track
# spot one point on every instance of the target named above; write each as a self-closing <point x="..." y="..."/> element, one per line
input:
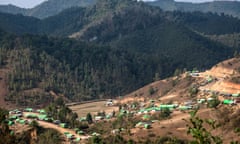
<point x="62" y="130"/>
<point x="59" y="129"/>
<point x="180" y="117"/>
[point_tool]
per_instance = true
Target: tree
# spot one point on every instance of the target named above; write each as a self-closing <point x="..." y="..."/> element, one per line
<point x="193" y="91"/>
<point x="165" y="113"/>
<point x="59" y="101"/>
<point x="177" y="72"/>
<point x="89" y="118"/>
<point x="236" y="54"/>
<point x="156" y="77"/>
<point x="96" y="140"/>
<point x="3" y="114"/>
<point x="214" y="103"/>
<point x="200" y="134"/>
<point x="50" y="136"/>
<point x="151" y="90"/>
<point x="34" y="124"/>
<point x="5" y="132"/>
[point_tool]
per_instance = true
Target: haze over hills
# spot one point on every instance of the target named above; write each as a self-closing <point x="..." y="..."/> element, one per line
<point x="227" y="7"/>
<point x="53" y="7"/>
<point x="48" y="8"/>
<point x="77" y="22"/>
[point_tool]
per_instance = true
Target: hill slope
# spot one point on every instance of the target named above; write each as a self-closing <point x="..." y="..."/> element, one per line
<point x="38" y="66"/>
<point x="127" y="44"/>
<point x="224" y="80"/>
<point x="53" y="7"/>
<point x="48" y="8"/>
<point x="219" y="7"/>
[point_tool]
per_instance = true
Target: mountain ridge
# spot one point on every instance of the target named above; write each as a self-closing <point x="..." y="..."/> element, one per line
<point x="125" y="45"/>
<point x="219" y="7"/>
<point x="47" y="8"/>
<point x="54" y="7"/>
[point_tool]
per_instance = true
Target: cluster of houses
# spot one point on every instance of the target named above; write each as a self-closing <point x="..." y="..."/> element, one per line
<point x="142" y="108"/>
<point x="27" y="115"/>
<point x="228" y="98"/>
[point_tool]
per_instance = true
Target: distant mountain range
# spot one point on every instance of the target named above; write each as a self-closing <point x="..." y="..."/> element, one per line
<point x="220" y="7"/>
<point x="53" y="7"/>
<point x="48" y="8"/>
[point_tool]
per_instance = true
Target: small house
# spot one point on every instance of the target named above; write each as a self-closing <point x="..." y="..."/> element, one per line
<point x="236" y="95"/>
<point x="184" y="108"/>
<point x="80" y="132"/>
<point x="42" y="117"/>
<point x="228" y="102"/>
<point x="98" y="118"/>
<point x="147" y="126"/>
<point x="200" y="101"/>
<point x="57" y="122"/>
<point x="95" y="134"/>
<point x="69" y="136"/>
<point x="77" y="140"/>
<point x="10" y="123"/>
<point x="63" y="125"/>
<point x="28" y="110"/>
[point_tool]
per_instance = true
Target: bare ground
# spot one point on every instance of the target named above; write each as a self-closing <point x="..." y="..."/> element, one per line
<point x="83" y="109"/>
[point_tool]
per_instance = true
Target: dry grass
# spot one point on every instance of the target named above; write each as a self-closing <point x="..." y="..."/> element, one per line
<point x="93" y="108"/>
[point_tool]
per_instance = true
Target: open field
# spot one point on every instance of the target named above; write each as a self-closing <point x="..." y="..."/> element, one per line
<point x="93" y="108"/>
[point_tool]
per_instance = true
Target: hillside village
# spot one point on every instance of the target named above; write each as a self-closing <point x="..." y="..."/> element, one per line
<point x="120" y="72"/>
<point x="173" y="98"/>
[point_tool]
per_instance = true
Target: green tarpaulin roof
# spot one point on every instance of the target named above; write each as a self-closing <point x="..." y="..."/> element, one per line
<point x="77" y="139"/>
<point x="28" y="109"/>
<point x="80" y="132"/>
<point x="146" y="116"/>
<point x="10" y="123"/>
<point x="228" y="101"/>
<point x="42" y="117"/>
<point x="69" y="135"/>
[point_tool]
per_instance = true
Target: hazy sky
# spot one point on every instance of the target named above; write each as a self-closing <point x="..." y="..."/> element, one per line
<point x="22" y="3"/>
<point x="32" y="3"/>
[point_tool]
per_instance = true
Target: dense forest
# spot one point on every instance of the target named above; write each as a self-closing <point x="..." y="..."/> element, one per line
<point x="121" y="18"/>
<point x="115" y="48"/>
<point x="47" y="8"/>
<point x="230" y="8"/>
<point x="81" y="71"/>
<point x="52" y="7"/>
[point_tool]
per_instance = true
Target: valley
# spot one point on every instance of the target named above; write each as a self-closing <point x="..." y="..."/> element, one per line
<point x="213" y="84"/>
<point x="120" y="71"/>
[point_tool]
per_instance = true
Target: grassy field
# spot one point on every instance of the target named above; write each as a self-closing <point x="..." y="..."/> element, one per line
<point x="93" y="108"/>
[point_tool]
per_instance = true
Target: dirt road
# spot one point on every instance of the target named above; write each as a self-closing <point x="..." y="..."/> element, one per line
<point x="83" y="109"/>
<point x="58" y="128"/>
<point x="179" y="117"/>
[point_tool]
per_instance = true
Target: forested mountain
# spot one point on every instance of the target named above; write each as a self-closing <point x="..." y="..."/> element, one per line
<point x="79" y="71"/>
<point x="39" y="65"/>
<point x="118" y="46"/>
<point x="19" y="24"/>
<point x="207" y="23"/>
<point x="53" y="7"/>
<point x="231" y="8"/>
<point x="48" y="8"/>
<point x="11" y="9"/>
<point x="79" y="22"/>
